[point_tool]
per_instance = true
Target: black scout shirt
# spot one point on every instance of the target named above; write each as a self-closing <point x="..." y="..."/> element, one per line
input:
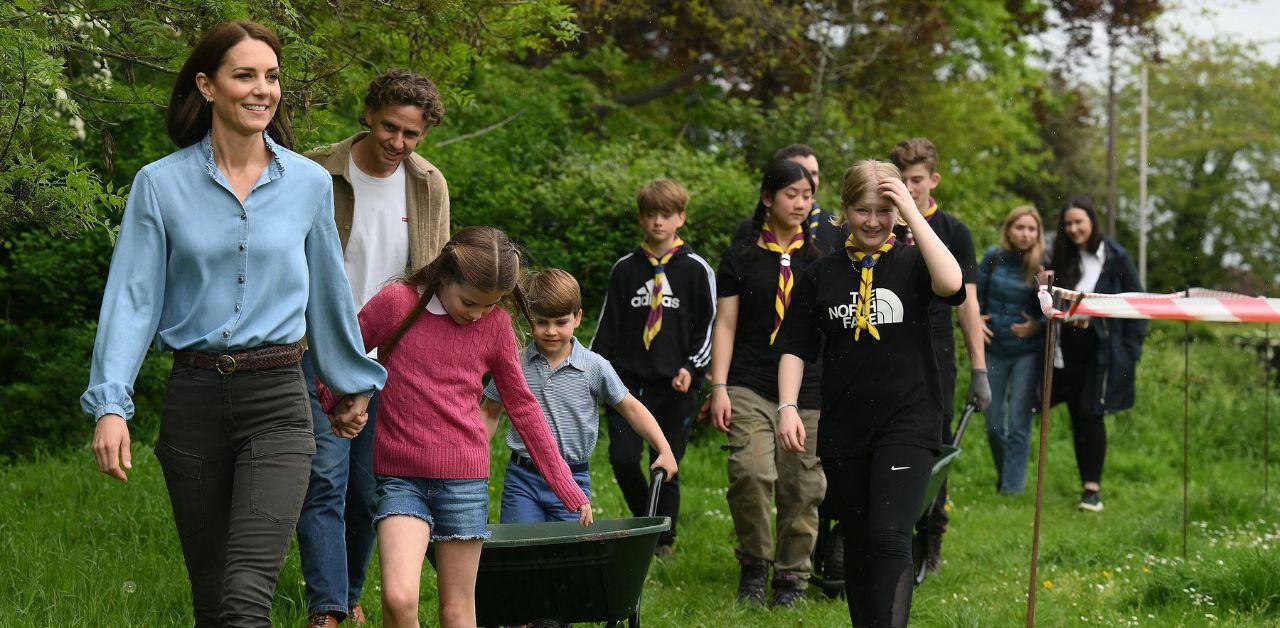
<point x="874" y="392"/>
<point x="956" y="237"/>
<point x="751" y="274"/>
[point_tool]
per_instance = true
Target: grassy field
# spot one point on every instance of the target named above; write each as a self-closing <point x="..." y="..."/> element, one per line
<point x="77" y="549"/>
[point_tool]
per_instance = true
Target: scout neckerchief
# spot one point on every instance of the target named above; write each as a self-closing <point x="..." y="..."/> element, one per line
<point x="653" y="324"/>
<point x="928" y="216"/>
<point x="862" y="313"/>
<point x="786" y="278"/>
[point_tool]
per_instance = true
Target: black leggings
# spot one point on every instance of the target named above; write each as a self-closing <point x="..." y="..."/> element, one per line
<point x="877" y="498"/>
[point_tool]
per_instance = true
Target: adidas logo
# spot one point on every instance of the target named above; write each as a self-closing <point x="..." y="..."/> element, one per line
<point x="643" y="296"/>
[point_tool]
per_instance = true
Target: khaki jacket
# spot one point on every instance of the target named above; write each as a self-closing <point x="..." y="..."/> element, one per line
<point x="427" y="203"/>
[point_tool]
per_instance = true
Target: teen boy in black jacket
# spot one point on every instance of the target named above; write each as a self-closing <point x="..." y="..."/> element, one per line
<point x="655" y="329"/>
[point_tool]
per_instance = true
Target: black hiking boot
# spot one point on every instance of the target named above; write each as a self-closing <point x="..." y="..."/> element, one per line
<point x="752" y="581"/>
<point x="786" y="589"/>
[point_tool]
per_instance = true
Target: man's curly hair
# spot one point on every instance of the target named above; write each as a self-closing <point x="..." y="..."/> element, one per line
<point x="402" y="87"/>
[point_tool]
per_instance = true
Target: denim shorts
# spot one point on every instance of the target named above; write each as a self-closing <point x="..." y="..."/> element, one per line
<point x="455" y="510"/>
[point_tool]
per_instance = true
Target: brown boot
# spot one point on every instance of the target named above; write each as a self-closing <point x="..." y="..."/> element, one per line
<point x="356" y="616"/>
<point x="322" y="620"/>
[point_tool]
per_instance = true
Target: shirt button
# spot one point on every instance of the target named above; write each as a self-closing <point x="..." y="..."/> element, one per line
<point x="237" y="307"/>
<point x="241" y="278"/>
<point x="244" y="216"/>
<point x="242" y="246"/>
<point x="226" y="334"/>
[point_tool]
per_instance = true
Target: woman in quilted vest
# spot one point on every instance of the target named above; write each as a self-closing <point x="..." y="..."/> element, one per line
<point x="1014" y="328"/>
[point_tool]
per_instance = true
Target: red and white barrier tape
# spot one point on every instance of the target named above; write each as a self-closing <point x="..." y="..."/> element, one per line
<point x="1196" y="304"/>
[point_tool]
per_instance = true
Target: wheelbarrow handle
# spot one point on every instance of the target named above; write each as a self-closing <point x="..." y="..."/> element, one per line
<point x="655" y="486"/>
<point x="969" y="409"/>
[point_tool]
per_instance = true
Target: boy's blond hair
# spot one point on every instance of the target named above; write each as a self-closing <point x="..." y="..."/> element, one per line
<point x="661" y="196"/>
<point x="553" y="293"/>
<point x="861" y="186"/>
<point x="917" y="150"/>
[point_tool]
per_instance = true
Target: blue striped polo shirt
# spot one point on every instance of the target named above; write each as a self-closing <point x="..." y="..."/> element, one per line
<point x="569" y="396"/>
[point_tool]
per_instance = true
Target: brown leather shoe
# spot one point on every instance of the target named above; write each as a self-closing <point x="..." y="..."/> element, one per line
<point x="356" y="616"/>
<point x="322" y="620"/>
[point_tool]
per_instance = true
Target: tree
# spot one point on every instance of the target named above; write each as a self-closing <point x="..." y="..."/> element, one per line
<point x="1215" y="165"/>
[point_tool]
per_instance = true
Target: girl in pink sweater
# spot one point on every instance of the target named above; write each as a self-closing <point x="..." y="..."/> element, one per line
<point x="437" y="333"/>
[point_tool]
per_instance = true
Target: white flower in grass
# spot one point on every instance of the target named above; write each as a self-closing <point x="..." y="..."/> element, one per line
<point x="130" y="586"/>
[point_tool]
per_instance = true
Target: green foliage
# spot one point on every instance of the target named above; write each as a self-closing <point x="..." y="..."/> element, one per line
<point x="50" y="289"/>
<point x="1213" y="182"/>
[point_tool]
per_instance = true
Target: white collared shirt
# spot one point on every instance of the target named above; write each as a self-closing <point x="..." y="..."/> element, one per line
<point x="1091" y="268"/>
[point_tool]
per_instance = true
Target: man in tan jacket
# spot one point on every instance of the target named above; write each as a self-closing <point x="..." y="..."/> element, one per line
<point x="391" y="207"/>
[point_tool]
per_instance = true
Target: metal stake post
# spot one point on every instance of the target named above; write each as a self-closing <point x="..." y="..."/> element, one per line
<point x="1050" y="341"/>
<point x="1186" y="429"/>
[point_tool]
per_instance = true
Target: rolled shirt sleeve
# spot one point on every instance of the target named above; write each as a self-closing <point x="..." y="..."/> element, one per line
<point x="131" y="304"/>
<point x="333" y="332"/>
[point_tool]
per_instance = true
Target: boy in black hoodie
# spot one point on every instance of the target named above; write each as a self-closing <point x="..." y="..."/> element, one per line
<point x="655" y="328"/>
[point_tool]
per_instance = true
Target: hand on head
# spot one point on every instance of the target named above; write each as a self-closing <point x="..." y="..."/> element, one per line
<point x="896" y="191"/>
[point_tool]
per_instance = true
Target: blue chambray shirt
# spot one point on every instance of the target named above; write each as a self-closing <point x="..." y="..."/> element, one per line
<point x="194" y="269"/>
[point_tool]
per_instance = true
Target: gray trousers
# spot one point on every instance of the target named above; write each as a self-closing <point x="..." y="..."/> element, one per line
<point x="236" y="453"/>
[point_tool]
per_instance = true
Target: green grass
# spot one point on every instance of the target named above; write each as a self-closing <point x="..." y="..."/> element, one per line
<point x="77" y="549"/>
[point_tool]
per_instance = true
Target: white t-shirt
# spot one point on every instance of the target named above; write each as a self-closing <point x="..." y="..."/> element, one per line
<point x="1091" y="268"/>
<point x="378" y="248"/>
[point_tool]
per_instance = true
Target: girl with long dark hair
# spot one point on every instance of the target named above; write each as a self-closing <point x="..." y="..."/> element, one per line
<point x="754" y="287"/>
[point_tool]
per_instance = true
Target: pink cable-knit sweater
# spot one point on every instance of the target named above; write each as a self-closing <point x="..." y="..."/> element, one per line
<point x="429" y="422"/>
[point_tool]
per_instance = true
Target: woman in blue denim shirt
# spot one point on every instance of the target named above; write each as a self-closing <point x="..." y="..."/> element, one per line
<point x="227" y="255"/>
<point x="1014" y="327"/>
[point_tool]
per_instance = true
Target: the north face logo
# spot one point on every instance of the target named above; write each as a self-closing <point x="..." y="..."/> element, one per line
<point x="643" y="296"/>
<point x="886" y="308"/>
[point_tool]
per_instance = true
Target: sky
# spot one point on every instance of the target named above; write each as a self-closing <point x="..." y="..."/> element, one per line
<point x="1255" y="21"/>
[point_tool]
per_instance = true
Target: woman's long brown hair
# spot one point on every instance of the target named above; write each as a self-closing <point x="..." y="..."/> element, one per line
<point x="1033" y="257"/>
<point x="481" y="257"/>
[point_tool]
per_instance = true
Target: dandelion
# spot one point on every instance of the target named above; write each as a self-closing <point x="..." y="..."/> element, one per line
<point x="130" y="586"/>
<point x="1048" y="584"/>
<point x="1106" y="574"/>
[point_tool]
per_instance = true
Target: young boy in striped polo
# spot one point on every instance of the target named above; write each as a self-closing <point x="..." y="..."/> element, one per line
<point x="569" y="381"/>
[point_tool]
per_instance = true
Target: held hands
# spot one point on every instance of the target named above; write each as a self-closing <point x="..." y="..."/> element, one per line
<point x="584" y="514"/>
<point x="111" y="446"/>
<point x="682" y="380"/>
<point x="667" y="462"/>
<point x="791" y="430"/>
<point x="348" y="416"/>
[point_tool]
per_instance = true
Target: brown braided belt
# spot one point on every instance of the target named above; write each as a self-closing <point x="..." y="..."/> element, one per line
<point x="256" y="359"/>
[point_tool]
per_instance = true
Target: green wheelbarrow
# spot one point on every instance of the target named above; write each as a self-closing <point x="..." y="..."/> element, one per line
<point x="564" y="571"/>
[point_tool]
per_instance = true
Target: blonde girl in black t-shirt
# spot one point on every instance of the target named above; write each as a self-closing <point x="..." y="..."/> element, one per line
<point x="754" y="287"/>
<point x="865" y="312"/>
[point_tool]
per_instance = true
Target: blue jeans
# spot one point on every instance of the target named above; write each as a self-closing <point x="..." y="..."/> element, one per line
<point x="335" y="530"/>
<point x="527" y="498"/>
<point x="1013" y="384"/>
